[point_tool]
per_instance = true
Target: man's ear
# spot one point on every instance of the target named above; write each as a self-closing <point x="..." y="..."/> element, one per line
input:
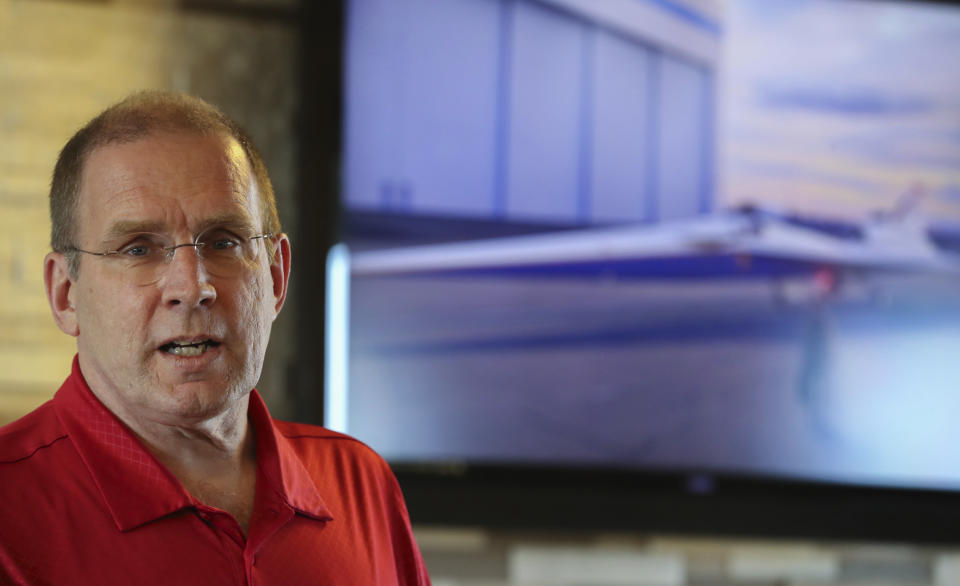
<point x="280" y="271"/>
<point x="56" y="279"/>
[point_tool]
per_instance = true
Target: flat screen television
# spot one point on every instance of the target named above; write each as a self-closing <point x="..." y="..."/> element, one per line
<point x="654" y="265"/>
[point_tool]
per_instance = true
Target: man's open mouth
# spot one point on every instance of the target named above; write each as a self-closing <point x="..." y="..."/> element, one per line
<point x="188" y="348"/>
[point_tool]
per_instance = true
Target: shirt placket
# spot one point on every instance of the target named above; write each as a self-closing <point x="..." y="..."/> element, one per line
<point x="231" y="538"/>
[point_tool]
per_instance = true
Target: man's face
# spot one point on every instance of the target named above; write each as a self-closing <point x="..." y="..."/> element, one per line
<point x="128" y="333"/>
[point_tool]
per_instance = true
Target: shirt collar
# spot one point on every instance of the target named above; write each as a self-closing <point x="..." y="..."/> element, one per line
<point x="137" y="488"/>
<point x="281" y="469"/>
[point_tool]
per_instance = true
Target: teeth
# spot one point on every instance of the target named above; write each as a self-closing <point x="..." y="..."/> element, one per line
<point x="195" y="349"/>
<point x="188" y="350"/>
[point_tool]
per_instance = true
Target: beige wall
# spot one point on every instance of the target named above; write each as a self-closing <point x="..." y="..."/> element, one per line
<point x="63" y="62"/>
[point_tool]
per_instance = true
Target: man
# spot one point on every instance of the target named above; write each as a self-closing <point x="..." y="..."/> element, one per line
<point x="157" y="462"/>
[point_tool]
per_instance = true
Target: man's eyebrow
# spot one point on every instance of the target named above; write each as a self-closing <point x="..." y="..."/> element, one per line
<point x="230" y="219"/>
<point x="123" y="228"/>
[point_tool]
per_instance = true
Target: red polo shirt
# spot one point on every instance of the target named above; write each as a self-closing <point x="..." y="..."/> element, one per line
<point x="83" y="502"/>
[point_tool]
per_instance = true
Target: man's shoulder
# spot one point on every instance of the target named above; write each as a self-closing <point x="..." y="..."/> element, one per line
<point x="320" y="442"/>
<point x="307" y="433"/>
<point x="290" y="429"/>
<point x="24" y="438"/>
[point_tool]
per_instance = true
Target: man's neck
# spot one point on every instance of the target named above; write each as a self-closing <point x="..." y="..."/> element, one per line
<point x="218" y="476"/>
<point x="224" y="438"/>
<point x="214" y="459"/>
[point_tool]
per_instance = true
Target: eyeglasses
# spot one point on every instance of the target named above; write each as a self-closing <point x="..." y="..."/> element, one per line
<point x="145" y="256"/>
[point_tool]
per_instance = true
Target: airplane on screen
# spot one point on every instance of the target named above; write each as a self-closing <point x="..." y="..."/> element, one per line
<point x="744" y="242"/>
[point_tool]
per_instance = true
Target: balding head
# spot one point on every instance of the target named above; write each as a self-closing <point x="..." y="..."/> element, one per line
<point x="133" y="118"/>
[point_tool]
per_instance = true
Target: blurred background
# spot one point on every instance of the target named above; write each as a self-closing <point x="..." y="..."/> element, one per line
<point x="656" y="120"/>
<point x="605" y="430"/>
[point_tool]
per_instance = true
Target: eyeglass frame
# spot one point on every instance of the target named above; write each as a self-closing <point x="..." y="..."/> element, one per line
<point x="169" y="251"/>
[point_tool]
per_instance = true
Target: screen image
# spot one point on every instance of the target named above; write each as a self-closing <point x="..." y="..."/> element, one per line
<point x="655" y="235"/>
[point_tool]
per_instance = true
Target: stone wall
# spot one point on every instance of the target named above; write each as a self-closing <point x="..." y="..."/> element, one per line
<point x="63" y="62"/>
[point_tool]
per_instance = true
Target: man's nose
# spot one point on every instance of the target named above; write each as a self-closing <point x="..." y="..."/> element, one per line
<point x="185" y="280"/>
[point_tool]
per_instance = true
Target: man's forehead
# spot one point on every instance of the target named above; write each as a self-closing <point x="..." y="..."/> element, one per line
<point x="213" y="146"/>
<point x="140" y="181"/>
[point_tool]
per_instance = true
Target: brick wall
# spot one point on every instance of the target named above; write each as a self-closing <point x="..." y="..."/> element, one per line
<point x="63" y="62"/>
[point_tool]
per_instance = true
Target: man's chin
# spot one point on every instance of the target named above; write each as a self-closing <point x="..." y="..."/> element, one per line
<point x="195" y="400"/>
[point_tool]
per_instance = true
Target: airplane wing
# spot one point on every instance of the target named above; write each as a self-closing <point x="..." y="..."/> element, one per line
<point x="725" y="245"/>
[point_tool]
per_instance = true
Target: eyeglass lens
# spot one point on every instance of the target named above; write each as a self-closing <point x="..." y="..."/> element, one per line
<point x="222" y="253"/>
